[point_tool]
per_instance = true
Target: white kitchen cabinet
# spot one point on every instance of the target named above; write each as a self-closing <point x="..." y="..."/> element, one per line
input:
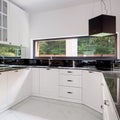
<point x="49" y="82"/>
<point x="19" y="85"/>
<point x="3" y="90"/>
<point x="35" y="81"/>
<point x="26" y="88"/>
<point x="70" y="92"/>
<point x="70" y="85"/>
<point x="3" y="21"/>
<point x="109" y="110"/>
<point x="92" y="89"/>
<point x="13" y="24"/>
<point x="70" y="80"/>
<point x="18" y="26"/>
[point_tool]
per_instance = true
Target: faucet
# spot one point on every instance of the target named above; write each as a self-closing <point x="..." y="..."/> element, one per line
<point x="49" y="61"/>
<point x="73" y="63"/>
<point x="3" y="59"/>
<point x="2" y="64"/>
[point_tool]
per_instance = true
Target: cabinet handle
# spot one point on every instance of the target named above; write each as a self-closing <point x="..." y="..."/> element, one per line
<point x="102" y="84"/>
<point x="69" y="80"/>
<point x="101" y="106"/>
<point x="69" y="71"/>
<point x="90" y="72"/>
<point x="106" y="102"/>
<point x="69" y="92"/>
<point x="48" y="68"/>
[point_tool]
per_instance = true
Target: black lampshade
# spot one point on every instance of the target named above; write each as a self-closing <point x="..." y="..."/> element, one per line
<point x="103" y="24"/>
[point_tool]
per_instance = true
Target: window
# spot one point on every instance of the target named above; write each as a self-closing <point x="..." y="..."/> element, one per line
<point x="87" y="46"/>
<point x="10" y="51"/>
<point x="97" y="46"/>
<point x="50" y="48"/>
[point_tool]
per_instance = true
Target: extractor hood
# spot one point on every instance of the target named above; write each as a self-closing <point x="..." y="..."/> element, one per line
<point x="102" y="25"/>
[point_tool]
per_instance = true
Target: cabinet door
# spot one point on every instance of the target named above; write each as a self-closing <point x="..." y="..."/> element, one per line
<point x="23" y="28"/>
<point x="13" y="29"/>
<point x="49" y="82"/>
<point x="3" y="90"/>
<point x="35" y="81"/>
<point x="26" y="87"/>
<point x="109" y="111"/>
<point x="92" y="89"/>
<point x="19" y="85"/>
<point x="18" y="26"/>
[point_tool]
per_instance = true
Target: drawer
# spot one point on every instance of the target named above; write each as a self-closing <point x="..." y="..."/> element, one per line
<point x="70" y="80"/>
<point x="70" y="92"/>
<point x="70" y="72"/>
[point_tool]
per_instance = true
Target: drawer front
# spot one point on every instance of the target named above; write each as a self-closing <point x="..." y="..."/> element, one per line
<point x="70" y="80"/>
<point x="70" y="72"/>
<point x="69" y="92"/>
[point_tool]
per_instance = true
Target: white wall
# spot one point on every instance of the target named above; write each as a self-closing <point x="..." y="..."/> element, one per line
<point x="63" y="22"/>
<point x="70" y="21"/>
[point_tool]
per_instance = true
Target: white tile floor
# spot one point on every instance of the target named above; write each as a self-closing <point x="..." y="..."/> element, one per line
<point x="46" y="109"/>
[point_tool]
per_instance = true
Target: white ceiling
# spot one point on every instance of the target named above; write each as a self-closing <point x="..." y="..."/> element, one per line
<point x="46" y="5"/>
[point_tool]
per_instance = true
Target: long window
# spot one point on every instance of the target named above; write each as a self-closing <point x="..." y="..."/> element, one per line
<point x="87" y="46"/>
<point x="50" y="48"/>
<point x="97" y="46"/>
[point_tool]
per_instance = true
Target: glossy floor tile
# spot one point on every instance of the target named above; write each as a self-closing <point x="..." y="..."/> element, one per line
<point x="47" y="109"/>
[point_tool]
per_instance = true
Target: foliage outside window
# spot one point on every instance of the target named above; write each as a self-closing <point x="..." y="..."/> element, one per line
<point x="83" y="46"/>
<point x="50" y="48"/>
<point x="10" y="50"/>
<point x="97" y="46"/>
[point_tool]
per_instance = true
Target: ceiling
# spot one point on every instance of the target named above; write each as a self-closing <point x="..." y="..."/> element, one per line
<point x="33" y="6"/>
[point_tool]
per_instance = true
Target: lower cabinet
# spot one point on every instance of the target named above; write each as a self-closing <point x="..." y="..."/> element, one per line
<point x="35" y="81"/>
<point x="3" y="90"/>
<point x="19" y="85"/>
<point x="14" y="86"/>
<point x="70" y="85"/>
<point x="70" y="92"/>
<point x="49" y="82"/>
<point x="92" y="89"/>
<point x="109" y="111"/>
<point x="81" y="86"/>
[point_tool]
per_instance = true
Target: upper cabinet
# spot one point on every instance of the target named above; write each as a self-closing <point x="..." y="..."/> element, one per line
<point x="3" y="20"/>
<point x="18" y="26"/>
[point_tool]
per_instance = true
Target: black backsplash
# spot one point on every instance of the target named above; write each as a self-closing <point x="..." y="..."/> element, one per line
<point x="99" y="64"/>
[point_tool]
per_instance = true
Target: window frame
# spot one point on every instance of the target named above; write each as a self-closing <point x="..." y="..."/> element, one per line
<point x="74" y="37"/>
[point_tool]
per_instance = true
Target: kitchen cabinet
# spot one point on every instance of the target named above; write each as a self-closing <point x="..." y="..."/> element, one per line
<point x="92" y="89"/>
<point x="3" y="21"/>
<point x="109" y="109"/>
<point x="3" y="90"/>
<point x="18" y="26"/>
<point x="13" y="24"/>
<point x="35" y="81"/>
<point x="70" y="82"/>
<point x="19" y="85"/>
<point x="49" y="82"/>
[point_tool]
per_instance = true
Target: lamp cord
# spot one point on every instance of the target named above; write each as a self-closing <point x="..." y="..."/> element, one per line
<point x="104" y="6"/>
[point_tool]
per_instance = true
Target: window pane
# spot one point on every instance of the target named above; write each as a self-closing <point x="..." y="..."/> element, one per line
<point x="10" y="51"/>
<point x="97" y="46"/>
<point x="4" y="7"/>
<point x="0" y="4"/>
<point x="4" y="34"/>
<point x="50" y="47"/>
<point x="4" y="21"/>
